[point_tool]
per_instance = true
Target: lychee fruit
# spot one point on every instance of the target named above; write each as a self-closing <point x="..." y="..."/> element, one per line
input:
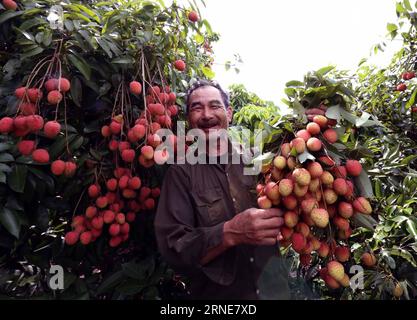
<point x="147" y="152"/>
<point x="320" y="217"/>
<point x="327" y="178"/>
<point x="308" y="205"/>
<point x="290" y="219"/>
<point x="298" y="144"/>
<point x="264" y="202"/>
<point x="86" y="237"/>
<point x="315" y="169"/>
<point x="298" y="242"/>
<point x="6" y="125"/>
<point x="10" y="5"/>
<point x="58" y="167"/>
<point x="134" y="183"/>
<point x="321" y="121"/>
<point x="114" y="229"/>
<point x="135" y="87"/>
<point x="286" y="187"/>
<point x="101" y="202"/>
<point x="330" y="135"/>
<point x="63" y="85"/>
<point x="340" y="186"/>
<point x="272" y="191"/>
<point x="314" y="144"/>
<point x="54" y="97"/>
<point x="280" y="162"/>
<point x="313" y="128"/>
<point x="323" y="250"/>
<point x="304" y="134"/>
<point x="193" y="16"/>
<point x="368" y="259"/>
<point x="285" y="150"/>
<point x="336" y="270"/>
<point x="345" y="209"/>
<point x="362" y="205"/>
<point x="26" y="147"/>
<point x="128" y="155"/>
<point x="71" y="238"/>
<point x="301" y="176"/>
<point x="179" y="65"/>
<point x="40" y="156"/>
<point x="70" y="168"/>
<point x="93" y="191"/>
<point x="342" y="254"/>
<point x="330" y="196"/>
<point x="52" y="129"/>
<point x="51" y="84"/>
<point x="353" y="168"/>
<point x="108" y="216"/>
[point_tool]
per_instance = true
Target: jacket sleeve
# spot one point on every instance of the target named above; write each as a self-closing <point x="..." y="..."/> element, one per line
<point x="181" y="243"/>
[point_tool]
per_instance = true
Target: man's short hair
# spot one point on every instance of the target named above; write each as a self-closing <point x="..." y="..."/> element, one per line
<point x="206" y="83"/>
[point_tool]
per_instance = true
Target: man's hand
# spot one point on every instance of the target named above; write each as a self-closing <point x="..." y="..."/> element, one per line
<point x="254" y="226"/>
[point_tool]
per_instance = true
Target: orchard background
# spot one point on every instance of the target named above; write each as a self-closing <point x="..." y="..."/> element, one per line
<point x="83" y="137"/>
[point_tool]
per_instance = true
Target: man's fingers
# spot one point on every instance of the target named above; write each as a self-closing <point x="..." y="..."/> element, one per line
<point x="268" y="241"/>
<point x="270" y="213"/>
<point x="271" y="223"/>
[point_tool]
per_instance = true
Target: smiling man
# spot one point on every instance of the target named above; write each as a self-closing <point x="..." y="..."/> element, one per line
<point x="207" y="226"/>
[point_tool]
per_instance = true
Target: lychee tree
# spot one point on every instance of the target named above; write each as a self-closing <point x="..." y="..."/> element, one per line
<point x="85" y="85"/>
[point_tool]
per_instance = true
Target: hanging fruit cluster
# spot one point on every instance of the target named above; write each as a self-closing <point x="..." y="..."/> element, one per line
<point x="131" y="139"/>
<point x="39" y="99"/>
<point x="316" y="195"/>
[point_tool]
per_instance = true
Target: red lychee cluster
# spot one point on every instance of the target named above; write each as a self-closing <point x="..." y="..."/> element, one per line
<point x="316" y="198"/>
<point x="113" y="207"/>
<point x="405" y="76"/>
<point x="142" y="135"/>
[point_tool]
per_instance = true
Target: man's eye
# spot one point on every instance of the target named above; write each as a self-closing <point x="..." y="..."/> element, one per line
<point x="216" y="106"/>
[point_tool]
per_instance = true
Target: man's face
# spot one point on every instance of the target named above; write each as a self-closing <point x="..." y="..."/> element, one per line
<point x="207" y="110"/>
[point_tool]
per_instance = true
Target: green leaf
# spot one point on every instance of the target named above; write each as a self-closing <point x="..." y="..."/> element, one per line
<point x="208" y="72"/>
<point x="364" y="220"/>
<point x="294" y="83"/>
<point x="17" y="178"/>
<point x="10" y="221"/>
<point x="396" y="251"/>
<point x="333" y="112"/>
<point x="412" y="228"/>
<point x="110" y="282"/>
<point x="391" y="27"/>
<point x="408" y="5"/>
<point x="31" y="53"/>
<point x="9" y="15"/>
<point x="363" y="183"/>
<point x="303" y="157"/>
<point x="81" y="65"/>
<point x="323" y="71"/>
<point x="76" y="91"/>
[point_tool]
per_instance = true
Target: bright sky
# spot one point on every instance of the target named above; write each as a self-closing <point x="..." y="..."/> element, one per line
<point x="282" y="40"/>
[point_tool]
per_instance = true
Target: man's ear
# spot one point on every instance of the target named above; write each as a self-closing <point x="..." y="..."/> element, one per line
<point x="229" y="112"/>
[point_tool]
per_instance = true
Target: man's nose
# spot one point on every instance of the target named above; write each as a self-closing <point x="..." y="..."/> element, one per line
<point x="207" y="113"/>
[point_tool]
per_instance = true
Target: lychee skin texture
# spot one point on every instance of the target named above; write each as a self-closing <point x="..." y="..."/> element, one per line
<point x="314" y="144"/>
<point x="128" y="155"/>
<point x="179" y="65"/>
<point x="298" y="242"/>
<point x="52" y="129"/>
<point x="70" y="168"/>
<point x="286" y="187"/>
<point x="304" y="134"/>
<point x="330" y="135"/>
<point x="320" y="217"/>
<point x="71" y="238"/>
<point x="135" y="87"/>
<point x="264" y="202"/>
<point x="336" y="270"/>
<point x="340" y="186"/>
<point x="368" y="259"/>
<point x="315" y="169"/>
<point x="86" y="237"/>
<point x="313" y="128"/>
<point x="10" y="5"/>
<point x="298" y="144"/>
<point x="193" y="16"/>
<point x="302" y="176"/>
<point x="63" y="85"/>
<point x="40" y="156"/>
<point x="345" y="209"/>
<point x="342" y="254"/>
<point x="362" y="205"/>
<point x="58" y="167"/>
<point x="6" y="125"/>
<point x="26" y="147"/>
<point x="353" y="168"/>
<point x="54" y="97"/>
<point x="280" y="162"/>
